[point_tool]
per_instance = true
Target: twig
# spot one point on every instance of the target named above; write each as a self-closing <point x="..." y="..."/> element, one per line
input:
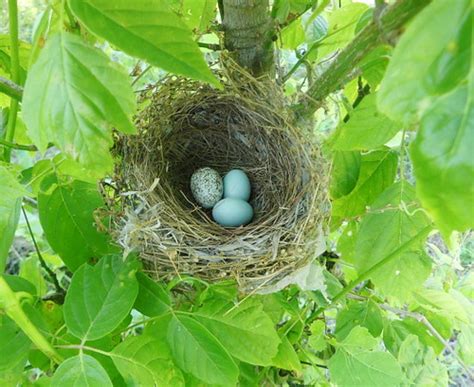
<point x="12" y="145"/>
<point x="422" y="319"/>
<point x="210" y="46"/>
<point x="141" y="74"/>
<point x="388" y="23"/>
<point x="11" y="89"/>
<point x="362" y="92"/>
<point x="59" y="290"/>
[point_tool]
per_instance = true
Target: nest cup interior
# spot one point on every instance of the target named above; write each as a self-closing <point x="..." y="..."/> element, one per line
<point x="219" y="135"/>
<point x="187" y="126"/>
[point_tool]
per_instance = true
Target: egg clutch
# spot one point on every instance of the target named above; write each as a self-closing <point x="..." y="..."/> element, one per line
<point x="227" y="197"/>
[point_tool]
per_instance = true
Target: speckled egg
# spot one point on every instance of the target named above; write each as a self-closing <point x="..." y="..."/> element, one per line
<point x="230" y="212"/>
<point x="206" y="187"/>
<point x="236" y="185"/>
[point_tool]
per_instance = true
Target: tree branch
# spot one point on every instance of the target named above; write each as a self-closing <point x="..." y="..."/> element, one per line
<point x="11" y="89"/>
<point x="12" y="145"/>
<point x="248" y="34"/>
<point x="382" y="28"/>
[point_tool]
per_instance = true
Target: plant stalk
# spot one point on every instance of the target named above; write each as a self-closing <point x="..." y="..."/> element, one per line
<point x="11" y="89"/>
<point x="383" y="27"/>
<point x="15" y="72"/>
<point x="11" y="304"/>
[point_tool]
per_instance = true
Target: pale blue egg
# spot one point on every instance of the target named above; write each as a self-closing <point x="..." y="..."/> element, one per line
<point x="231" y="212"/>
<point x="236" y="185"/>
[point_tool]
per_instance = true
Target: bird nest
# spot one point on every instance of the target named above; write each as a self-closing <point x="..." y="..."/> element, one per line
<point x="186" y="125"/>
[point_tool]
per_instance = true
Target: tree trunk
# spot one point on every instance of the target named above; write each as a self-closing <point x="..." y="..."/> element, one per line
<point x="248" y="34"/>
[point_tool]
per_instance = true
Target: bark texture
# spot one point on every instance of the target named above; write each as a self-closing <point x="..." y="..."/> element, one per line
<point x="248" y="34"/>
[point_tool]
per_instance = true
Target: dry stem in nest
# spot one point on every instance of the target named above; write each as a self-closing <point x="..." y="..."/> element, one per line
<point x="186" y="126"/>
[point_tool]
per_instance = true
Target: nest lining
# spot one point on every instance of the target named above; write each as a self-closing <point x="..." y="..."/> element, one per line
<point x="186" y="126"/>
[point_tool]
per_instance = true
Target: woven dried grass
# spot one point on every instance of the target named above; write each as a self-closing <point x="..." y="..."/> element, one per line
<point x="185" y="126"/>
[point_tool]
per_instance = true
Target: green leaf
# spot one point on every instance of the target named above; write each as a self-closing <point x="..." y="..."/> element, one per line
<point x="428" y="60"/>
<point x="357" y="362"/>
<point x="14" y="346"/>
<point x="81" y="370"/>
<point x="443" y="303"/>
<point x="366" y="314"/>
<point x="245" y="330"/>
<point x="146" y="29"/>
<point x="342" y="23"/>
<point x="197" y="14"/>
<point x="73" y="97"/>
<point x="67" y="217"/>
<point x="280" y="10"/>
<point x="466" y="343"/>
<point x="443" y="162"/>
<point x="18" y="284"/>
<point x="420" y="366"/>
<point x="373" y="66"/>
<point x="152" y="299"/>
<point x="292" y="35"/>
<point x="366" y="129"/>
<point x="10" y="205"/>
<point x="100" y="297"/>
<point x="318" y="332"/>
<point x="377" y="171"/>
<point x="394" y="221"/>
<point x="145" y="361"/>
<point x="30" y="270"/>
<point x="286" y="357"/>
<point x="200" y="353"/>
<point x="395" y="332"/>
<point x="345" y="173"/>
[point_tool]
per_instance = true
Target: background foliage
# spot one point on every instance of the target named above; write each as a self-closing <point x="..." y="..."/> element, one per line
<point x="396" y="304"/>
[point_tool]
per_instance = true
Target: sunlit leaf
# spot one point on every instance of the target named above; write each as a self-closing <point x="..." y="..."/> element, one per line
<point x="357" y="362"/>
<point x="81" y="370"/>
<point x="100" y="297"/>
<point x="366" y="129"/>
<point x="67" y="217"/>
<point x="147" y="29"/>
<point x="145" y="361"/>
<point x="73" y="97"/>
<point x="245" y="330"/>
<point x="425" y="56"/>
<point x="10" y="204"/>
<point x="420" y="366"/>
<point x="395" y="221"/>
<point x="198" y="352"/>
<point x="443" y="160"/>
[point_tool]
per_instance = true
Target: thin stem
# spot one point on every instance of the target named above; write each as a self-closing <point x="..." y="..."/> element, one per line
<point x="298" y="64"/>
<point x="139" y="76"/>
<point x="51" y="274"/>
<point x="362" y="92"/>
<point x="12" y="145"/>
<point x="10" y="303"/>
<point x="384" y="26"/>
<point x="209" y="46"/>
<point x="367" y="274"/>
<point x="11" y="89"/>
<point x="15" y="71"/>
